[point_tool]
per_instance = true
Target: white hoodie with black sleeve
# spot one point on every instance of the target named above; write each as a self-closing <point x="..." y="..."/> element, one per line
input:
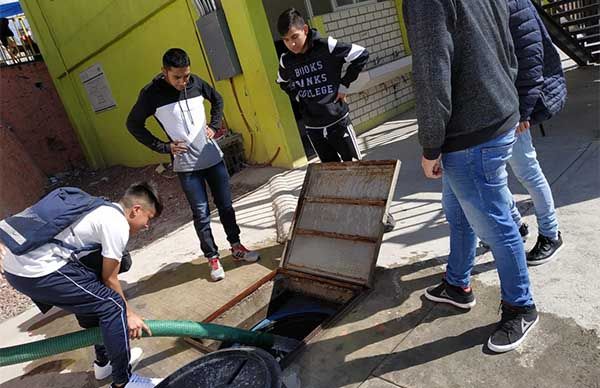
<point x="182" y="116"/>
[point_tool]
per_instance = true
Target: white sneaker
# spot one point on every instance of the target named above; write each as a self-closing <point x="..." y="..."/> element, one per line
<point x="216" y="269"/>
<point x="240" y="252"/>
<point x="137" y="381"/>
<point x="103" y="372"/>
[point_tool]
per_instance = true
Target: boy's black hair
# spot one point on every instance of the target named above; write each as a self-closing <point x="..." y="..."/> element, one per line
<point x="289" y="18"/>
<point x="175" y="57"/>
<point x="145" y="191"/>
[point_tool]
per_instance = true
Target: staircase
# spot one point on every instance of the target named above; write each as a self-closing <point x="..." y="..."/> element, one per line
<point x="574" y="26"/>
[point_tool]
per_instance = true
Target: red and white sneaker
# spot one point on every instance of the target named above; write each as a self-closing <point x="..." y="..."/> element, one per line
<point x="216" y="269"/>
<point x="240" y="252"/>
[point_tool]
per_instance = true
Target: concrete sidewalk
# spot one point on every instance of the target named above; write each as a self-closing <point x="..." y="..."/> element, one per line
<point x="396" y="338"/>
<point x="393" y="338"/>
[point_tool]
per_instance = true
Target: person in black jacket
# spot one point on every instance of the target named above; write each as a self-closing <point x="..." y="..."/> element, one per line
<point x="310" y="72"/>
<point x="542" y="94"/>
<point x="175" y="98"/>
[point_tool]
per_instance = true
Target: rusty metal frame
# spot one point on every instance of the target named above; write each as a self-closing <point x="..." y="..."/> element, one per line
<point x="346" y="201"/>
<point x="302" y="199"/>
<point x="393" y="184"/>
<point x="359" y="289"/>
<point x="338" y="236"/>
<point x="345" y="165"/>
<point x="238" y="298"/>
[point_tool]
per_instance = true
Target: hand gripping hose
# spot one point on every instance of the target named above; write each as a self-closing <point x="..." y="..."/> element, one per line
<point x="80" y="339"/>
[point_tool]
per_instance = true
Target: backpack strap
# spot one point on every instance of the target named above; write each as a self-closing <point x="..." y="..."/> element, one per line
<point x="115" y="206"/>
<point x="90" y="247"/>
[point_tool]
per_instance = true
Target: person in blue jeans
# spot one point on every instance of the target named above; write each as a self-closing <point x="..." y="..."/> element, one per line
<point x="464" y="69"/>
<point x="175" y="98"/>
<point x="542" y="93"/>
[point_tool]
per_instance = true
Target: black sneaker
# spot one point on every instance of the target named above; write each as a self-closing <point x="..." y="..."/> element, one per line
<point x="545" y="249"/>
<point x="454" y="295"/>
<point x="515" y="324"/>
<point x="523" y="231"/>
<point x="389" y="223"/>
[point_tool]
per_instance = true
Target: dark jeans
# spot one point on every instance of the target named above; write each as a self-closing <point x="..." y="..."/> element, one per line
<point x="194" y="186"/>
<point x="77" y="289"/>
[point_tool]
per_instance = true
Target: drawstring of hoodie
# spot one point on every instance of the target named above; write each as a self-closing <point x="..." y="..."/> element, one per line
<point x="188" y="110"/>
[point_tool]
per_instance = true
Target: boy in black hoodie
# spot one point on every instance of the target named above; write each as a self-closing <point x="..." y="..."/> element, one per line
<point x="311" y="74"/>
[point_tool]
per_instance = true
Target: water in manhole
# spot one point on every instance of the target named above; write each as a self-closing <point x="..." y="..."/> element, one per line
<point x="292" y="315"/>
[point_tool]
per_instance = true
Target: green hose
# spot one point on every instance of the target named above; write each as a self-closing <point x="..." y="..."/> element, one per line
<point x="79" y="339"/>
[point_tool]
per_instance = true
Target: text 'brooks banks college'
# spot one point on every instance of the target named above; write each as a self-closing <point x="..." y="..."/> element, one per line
<point x="307" y="78"/>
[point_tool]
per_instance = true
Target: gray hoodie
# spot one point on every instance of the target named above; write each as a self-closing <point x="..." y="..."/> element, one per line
<point x="464" y="71"/>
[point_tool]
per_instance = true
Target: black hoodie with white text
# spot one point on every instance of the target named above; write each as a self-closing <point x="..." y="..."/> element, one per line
<point x="314" y="78"/>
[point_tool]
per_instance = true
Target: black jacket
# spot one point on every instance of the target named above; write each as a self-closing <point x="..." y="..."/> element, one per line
<point x="315" y="77"/>
<point x="541" y="81"/>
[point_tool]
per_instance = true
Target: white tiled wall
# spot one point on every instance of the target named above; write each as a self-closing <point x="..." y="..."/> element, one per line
<point x="376" y="27"/>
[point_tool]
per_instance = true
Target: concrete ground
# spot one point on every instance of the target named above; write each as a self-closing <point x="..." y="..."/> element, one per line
<point x="394" y="337"/>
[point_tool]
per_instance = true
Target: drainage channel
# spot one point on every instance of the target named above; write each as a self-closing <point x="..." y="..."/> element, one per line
<point x="292" y="315"/>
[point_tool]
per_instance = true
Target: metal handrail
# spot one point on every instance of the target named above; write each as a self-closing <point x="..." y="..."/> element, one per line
<point x="19" y="48"/>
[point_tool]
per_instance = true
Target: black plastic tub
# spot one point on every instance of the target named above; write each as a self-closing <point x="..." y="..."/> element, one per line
<point x="232" y="368"/>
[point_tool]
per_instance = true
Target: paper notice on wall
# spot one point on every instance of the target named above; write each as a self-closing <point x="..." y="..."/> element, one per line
<point x="97" y="88"/>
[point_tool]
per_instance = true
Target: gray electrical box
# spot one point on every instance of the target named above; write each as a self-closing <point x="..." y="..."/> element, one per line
<point x="218" y="44"/>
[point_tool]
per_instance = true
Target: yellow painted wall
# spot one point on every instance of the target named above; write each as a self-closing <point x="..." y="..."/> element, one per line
<point x="272" y="109"/>
<point x="128" y="38"/>
<point x="400" y="10"/>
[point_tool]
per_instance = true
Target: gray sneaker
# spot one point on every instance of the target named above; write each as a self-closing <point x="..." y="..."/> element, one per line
<point x="241" y="253"/>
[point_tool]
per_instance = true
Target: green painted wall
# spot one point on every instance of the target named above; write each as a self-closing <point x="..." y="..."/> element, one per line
<point x="128" y="38"/>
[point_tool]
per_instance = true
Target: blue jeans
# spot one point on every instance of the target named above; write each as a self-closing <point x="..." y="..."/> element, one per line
<point x="194" y="185"/>
<point x="77" y="289"/>
<point x="527" y="169"/>
<point x="476" y="202"/>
